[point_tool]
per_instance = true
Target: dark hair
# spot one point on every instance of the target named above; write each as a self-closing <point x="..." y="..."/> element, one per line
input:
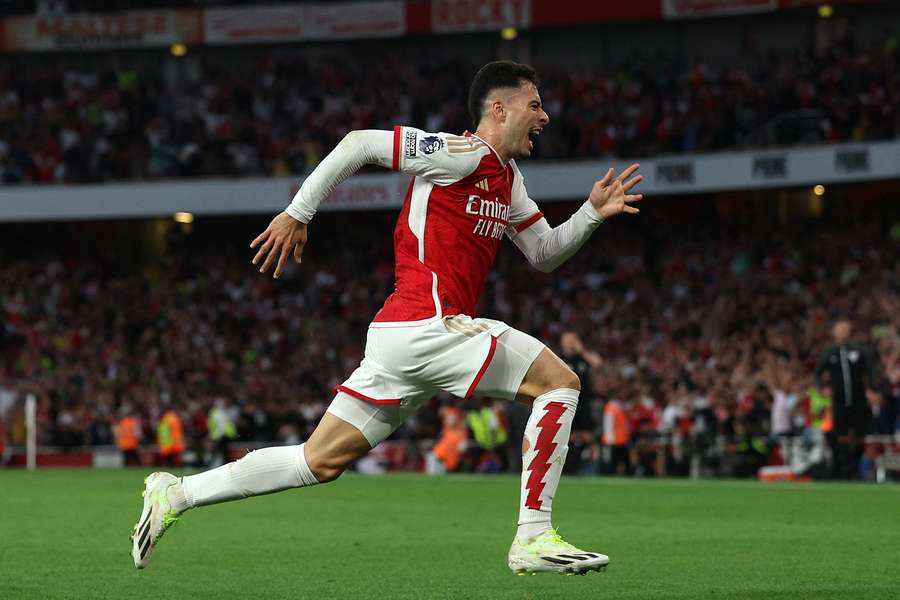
<point x="497" y="74"/>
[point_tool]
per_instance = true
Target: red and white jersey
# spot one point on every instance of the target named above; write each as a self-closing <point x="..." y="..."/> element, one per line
<point x="460" y="203"/>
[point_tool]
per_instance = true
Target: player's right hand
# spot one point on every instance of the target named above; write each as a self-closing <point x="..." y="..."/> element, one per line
<point x="284" y="235"/>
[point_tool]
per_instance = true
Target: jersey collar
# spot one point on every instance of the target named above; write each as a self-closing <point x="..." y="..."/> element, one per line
<point x="468" y="133"/>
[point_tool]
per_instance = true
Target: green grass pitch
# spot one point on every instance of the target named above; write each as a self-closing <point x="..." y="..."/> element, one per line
<point x="64" y="534"/>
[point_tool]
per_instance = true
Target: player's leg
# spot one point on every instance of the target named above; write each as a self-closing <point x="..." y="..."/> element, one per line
<point x="332" y="447"/>
<point x="524" y="369"/>
<point x="553" y="390"/>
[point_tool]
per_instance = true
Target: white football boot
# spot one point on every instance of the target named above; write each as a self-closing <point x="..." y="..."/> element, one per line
<point x="549" y="553"/>
<point x="156" y="517"/>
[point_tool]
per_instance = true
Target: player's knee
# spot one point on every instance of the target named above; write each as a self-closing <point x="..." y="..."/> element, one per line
<point x="566" y="378"/>
<point x="327" y="473"/>
<point x="559" y="379"/>
<point x="327" y="469"/>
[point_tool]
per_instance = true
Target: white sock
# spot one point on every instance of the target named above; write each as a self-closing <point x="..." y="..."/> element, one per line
<point x="547" y="436"/>
<point x="262" y="471"/>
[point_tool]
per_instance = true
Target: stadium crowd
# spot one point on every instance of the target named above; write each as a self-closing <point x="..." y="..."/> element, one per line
<point x="123" y="117"/>
<point x="707" y="342"/>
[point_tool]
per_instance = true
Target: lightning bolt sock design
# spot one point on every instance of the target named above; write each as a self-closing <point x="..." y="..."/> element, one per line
<point x="547" y="433"/>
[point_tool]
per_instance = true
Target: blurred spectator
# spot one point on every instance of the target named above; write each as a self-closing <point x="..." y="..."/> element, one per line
<point x="170" y="435"/>
<point x="454" y="434"/>
<point x="4" y="449"/>
<point x="784" y="402"/>
<point x="616" y="438"/>
<point x="851" y="370"/>
<point x="706" y="426"/>
<point x="128" y="437"/>
<point x="222" y="431"/>
<point x="644" y="426"/>
<point x="583" y="448"/>
<point x="883" y="414"/>
<point x="485" y="421"/>
<point x="517" y="414"/>
<point x="746" y="451"/>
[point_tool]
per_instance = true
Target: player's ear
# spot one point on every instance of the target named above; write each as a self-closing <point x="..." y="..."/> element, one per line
<point x="498" y="110"/>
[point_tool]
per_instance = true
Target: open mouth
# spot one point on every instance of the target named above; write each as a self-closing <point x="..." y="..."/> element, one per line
<point x="533" y="133"/>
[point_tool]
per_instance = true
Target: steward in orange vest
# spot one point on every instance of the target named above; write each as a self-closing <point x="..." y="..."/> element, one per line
<point x="616" y="437"/>
<point x="170" y="436"/>
<point x="453" y="437"/>
<point x="616" y="431"/>
<point x="128" y="438"/>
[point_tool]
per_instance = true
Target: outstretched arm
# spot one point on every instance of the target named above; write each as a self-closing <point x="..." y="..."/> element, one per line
<point x="286" y="234"/>
<point x="438" y="157"/>
<point x="358" y="148"/>
<point x="547" y="248"/>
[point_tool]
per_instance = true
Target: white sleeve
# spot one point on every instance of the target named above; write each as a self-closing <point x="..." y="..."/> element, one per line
<point x="546" y="248"/>
<point x="358" y="148"/>
<point x="441" y="158"/>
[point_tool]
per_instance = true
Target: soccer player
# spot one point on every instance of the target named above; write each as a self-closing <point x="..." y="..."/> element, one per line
<point x="465" y="195"/>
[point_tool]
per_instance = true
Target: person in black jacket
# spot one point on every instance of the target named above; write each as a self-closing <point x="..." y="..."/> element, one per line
<point x="583" y="437"/>
<point x="851" y="368"/>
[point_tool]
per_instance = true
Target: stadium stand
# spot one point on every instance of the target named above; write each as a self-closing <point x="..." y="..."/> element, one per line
<point x="706" y="331"/>
<point x="126" y="117"/>
<point x="699" y="333"/>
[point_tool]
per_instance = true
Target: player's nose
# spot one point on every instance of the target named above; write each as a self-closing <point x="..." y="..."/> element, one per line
<point x="544" y="118"/>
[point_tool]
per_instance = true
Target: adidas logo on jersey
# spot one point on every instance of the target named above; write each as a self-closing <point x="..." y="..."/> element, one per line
<point x="483" y="185"/>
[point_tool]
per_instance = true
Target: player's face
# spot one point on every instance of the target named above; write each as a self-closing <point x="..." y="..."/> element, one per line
<point x="525" y="120"/>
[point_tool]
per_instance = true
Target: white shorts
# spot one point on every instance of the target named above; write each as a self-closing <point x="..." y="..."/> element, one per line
<point x="407" y="364"/>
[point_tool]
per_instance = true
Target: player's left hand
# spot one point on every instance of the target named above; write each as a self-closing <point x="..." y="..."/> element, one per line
<point x="610" y="196"/>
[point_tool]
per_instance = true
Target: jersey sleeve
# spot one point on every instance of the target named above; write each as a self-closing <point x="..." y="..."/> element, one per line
<point x="523" y="211"/>
<point x="438" y="157"/>
<point x="546" y="248"/>
<point x="358" y="148"/>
